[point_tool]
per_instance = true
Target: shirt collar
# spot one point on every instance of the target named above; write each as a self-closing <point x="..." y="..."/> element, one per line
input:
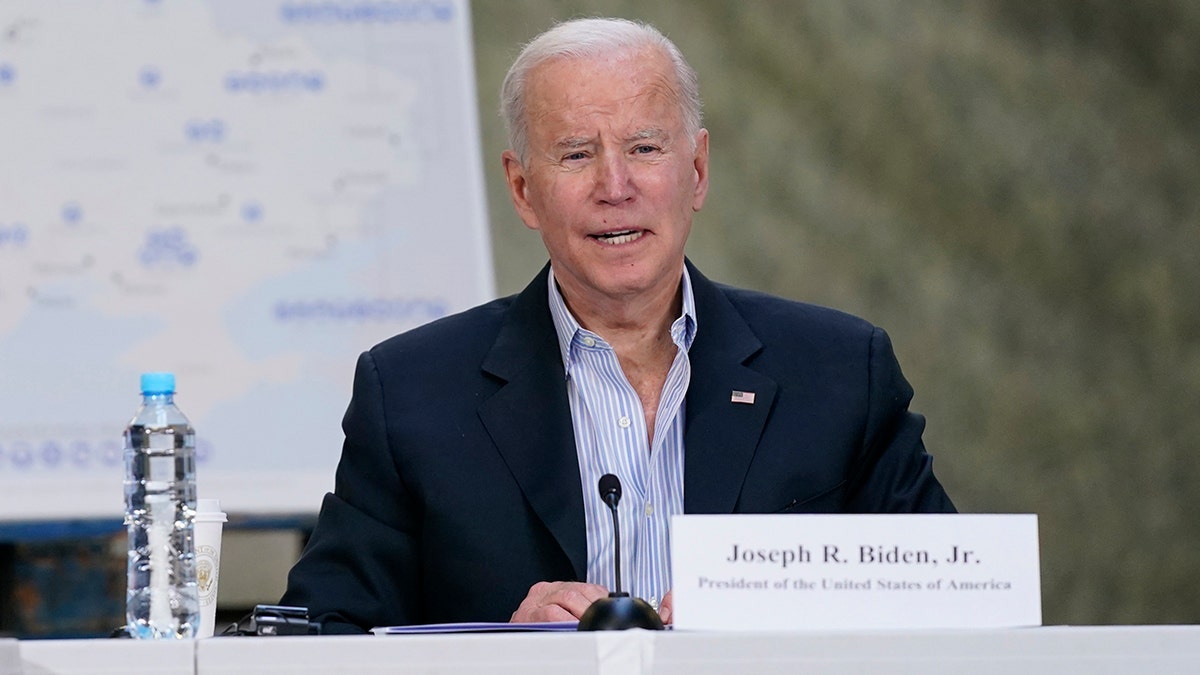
<point x="571" y="334"/>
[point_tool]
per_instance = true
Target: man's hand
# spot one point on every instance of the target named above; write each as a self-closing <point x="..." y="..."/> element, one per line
<point x="557" y="601"/>
<point x="666" y="608"/>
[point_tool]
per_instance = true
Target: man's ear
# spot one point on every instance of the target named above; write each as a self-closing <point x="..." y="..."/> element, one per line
<point x="700" y="165"/>
<point x="518" y="189"/>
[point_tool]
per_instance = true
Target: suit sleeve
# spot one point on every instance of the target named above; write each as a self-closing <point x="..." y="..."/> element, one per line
<point x="894" y="473"/>
<point x="361" y="566"/>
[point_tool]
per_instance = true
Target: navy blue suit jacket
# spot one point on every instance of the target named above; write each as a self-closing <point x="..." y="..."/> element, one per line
<point x="458" y="486"/>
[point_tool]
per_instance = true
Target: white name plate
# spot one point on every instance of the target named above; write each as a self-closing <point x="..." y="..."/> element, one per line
<point x="788" y="572"/>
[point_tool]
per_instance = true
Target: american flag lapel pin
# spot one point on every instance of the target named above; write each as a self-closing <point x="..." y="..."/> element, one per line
<point x="746" y="397"/>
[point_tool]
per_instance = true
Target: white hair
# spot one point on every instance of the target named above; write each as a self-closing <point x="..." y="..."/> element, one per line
<point x="590" y="38"/>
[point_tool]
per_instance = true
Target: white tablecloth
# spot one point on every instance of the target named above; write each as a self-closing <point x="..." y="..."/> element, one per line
<point x="1159" y="650"/>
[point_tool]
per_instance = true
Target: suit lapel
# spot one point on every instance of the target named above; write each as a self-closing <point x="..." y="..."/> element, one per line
<point x="529" y="419"/>
<point x="720" y="435"/>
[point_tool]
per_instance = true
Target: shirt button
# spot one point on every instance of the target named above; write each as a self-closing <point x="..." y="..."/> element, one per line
<point x="653" y="604"/>
<point x="624" y="422"/>
<point x="649" y="509"/>
<point x="589" y="342"/>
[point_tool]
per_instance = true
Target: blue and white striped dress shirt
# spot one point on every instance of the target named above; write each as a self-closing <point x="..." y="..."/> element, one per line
<point x="610" y="437"/>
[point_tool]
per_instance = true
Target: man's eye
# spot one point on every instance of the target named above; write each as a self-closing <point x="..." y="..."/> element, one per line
<point x="575" y="156"/>
<point x="644" y="149"/>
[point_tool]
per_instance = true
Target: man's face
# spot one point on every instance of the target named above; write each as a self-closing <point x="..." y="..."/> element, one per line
<point x="611" y="180"/>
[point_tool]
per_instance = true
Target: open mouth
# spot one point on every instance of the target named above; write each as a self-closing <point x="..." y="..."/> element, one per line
<point x="619" y="237"/>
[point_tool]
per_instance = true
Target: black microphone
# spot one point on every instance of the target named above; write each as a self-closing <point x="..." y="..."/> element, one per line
<point x="618" y="611"/>
<point x="610" y="492"/>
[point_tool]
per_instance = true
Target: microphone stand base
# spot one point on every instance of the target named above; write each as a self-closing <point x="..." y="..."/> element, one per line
<point x="620" y="612"/>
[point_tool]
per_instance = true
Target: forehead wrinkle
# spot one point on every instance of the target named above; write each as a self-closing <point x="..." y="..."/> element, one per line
<point x="577" y="97"/>
<point x="654" y="131"/>
<point x="551" y="104"/>
<point x="575" y="142"/>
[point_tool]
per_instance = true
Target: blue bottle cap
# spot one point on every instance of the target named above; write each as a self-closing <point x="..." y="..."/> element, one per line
<point x="158" y="383"/>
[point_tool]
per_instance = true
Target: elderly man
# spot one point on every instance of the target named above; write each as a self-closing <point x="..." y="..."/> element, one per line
<point x="466" y="489"/>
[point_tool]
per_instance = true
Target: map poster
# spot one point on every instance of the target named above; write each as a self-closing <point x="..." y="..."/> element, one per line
<point x="247" y="194"/>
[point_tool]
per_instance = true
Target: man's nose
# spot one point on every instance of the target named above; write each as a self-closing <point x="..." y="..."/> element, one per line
<point x="614" y="183"/>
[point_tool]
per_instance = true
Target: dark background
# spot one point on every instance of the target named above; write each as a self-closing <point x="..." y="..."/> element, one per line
<point x="1010" y="189"/>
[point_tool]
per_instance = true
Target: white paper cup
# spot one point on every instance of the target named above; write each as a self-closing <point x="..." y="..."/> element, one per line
<point x="207" y="539"/>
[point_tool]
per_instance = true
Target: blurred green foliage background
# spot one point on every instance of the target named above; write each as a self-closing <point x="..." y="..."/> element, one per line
<point x="1010" y="189"/>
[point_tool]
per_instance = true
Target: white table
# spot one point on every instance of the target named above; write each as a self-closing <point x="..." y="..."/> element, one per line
<point x="499" y="653"/>
<point x="1061" y="650"/>
<point x="68" y="657"/>
<point x="1158" y="650"/>
<point x="10" y="656"/>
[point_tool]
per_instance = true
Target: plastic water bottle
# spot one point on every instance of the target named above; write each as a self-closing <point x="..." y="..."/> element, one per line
<point x="160" y="508"/>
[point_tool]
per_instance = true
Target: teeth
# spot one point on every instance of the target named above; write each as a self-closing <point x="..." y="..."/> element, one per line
<point x="615" y="238"/>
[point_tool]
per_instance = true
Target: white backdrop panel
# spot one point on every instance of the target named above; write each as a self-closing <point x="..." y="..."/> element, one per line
<point x="245" y="193"/>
